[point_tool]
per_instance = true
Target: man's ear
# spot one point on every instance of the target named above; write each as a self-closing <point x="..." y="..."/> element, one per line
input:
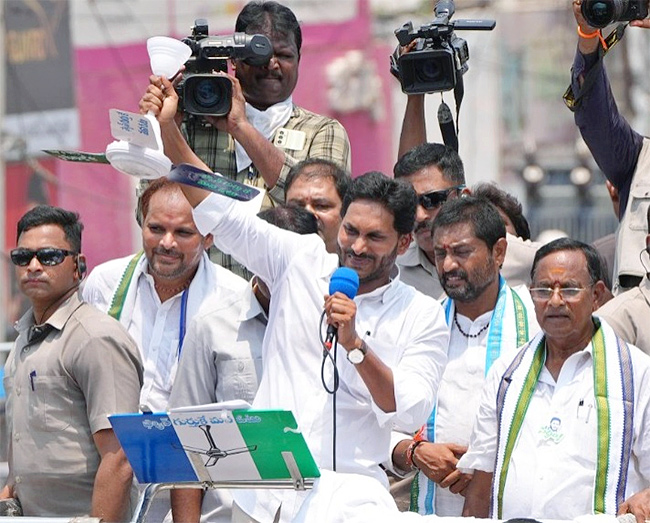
<point x="499" y="251"/>
<point x="599" y="293"/>
<point x="403" y="242"/>
<point x="207" y="242"/>
<point x="81" y="266"/>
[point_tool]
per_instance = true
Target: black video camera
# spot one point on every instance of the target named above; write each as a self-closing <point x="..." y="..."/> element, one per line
<point x="601" y="13"/>
<point x="201" y="92"/>
<point x="440" y="57"/>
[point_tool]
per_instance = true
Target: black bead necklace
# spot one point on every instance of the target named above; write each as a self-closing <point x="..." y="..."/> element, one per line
<point x="470" y="335"/>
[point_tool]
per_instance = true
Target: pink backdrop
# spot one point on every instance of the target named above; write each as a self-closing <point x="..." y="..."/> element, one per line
<point x="116" y="78"/>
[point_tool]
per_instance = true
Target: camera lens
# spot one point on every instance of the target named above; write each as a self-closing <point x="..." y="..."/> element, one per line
<point x="207" y="93"/>
<point x="601" y="13"/>
<point x="428" y="71"/>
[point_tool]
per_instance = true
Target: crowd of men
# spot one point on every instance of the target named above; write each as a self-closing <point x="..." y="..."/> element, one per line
<point x="482" y="374"/>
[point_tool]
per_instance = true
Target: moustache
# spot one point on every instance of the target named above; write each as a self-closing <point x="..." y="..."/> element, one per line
<point x="352" y="254"/>
<point x="271" y="76"/>
<point x="167" y="252"/>
<point x="426" y="226"/>
<point x="454" y="274"/>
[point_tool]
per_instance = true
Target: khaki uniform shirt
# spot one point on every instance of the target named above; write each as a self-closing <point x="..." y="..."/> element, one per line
<point x="416" y="270"/>
<point x="629" y="315"/>
<point x="60" y="390"/>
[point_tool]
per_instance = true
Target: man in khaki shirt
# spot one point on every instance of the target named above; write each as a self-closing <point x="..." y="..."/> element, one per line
<point x="628" y="312"/>
<point x="70" y="368"/>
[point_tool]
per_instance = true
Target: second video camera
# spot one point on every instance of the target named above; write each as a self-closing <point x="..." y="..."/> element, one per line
<point x="601" y="13"/>
<point x="439" y="56"/>
<point x="201" y="92"/>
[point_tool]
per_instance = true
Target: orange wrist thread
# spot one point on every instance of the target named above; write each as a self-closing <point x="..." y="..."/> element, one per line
<point x="596" y="34"/>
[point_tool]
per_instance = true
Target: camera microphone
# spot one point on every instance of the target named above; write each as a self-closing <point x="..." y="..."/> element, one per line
<point x="346" y="281"/>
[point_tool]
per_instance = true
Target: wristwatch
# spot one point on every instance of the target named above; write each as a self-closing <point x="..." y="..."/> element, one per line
<point x="358" y="354"/>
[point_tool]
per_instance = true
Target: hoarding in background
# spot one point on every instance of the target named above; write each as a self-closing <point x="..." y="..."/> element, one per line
<point x="40" y="93"/>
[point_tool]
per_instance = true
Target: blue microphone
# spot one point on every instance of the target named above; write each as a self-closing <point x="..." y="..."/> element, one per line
<point x="346" y="281"/>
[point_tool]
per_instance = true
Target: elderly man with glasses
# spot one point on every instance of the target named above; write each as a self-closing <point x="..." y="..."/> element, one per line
<point x="437" y="174"/>
<point x="562" y="427"/>
<point x="70" y="368"/>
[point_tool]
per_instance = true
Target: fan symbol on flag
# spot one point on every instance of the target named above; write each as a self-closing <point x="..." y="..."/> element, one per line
<point x="214" y="453"/>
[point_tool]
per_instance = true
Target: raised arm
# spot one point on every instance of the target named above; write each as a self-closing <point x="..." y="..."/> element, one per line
<point x="414" y="129"/>
<point x="161" y="99"/>
<point x="613" y="143"/>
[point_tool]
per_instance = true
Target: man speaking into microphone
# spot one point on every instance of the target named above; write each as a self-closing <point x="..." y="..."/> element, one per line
<point x="391" y="339"/>
<point x="395" y="338"/>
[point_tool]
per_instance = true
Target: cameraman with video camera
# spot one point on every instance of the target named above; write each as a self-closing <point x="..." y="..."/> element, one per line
<point x="263" y="134"/>
<point x="621" y="153"/>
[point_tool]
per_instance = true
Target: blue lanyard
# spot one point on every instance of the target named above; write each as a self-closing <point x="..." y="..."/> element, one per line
<point x="181" y="322"/>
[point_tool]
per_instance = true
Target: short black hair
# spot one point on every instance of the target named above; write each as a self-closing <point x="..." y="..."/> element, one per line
<point x="271" y="18"/>
<point x="398" y="197"/>
<point x="431" y="155"/>
<point x="49" y="215"/>
<point x="324" y="169"/>
<point x="291" y="218"/>
<point x="594" y="261"/>
<point x="648" y="219"/>
<point x="480" y="213"/>
<point x="507" y="203"/>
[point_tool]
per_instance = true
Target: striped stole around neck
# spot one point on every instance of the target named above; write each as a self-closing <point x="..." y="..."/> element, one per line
<point x="422" y="489"/>
<point x="614" y="399"/>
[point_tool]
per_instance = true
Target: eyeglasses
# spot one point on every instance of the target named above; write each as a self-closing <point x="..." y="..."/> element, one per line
<point x="545" y="293"/>
<point x="434" y="199"/>
<point x="45" y="256"/>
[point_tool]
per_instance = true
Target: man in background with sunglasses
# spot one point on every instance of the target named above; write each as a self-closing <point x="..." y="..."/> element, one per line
<point x="70" y="368"/>
<point x="437" y="174"/>
<point x="562" y="425"/>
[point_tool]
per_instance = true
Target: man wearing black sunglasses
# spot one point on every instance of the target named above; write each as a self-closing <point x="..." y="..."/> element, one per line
<point x="436" y="173"/>
<point x="70" y="368"/>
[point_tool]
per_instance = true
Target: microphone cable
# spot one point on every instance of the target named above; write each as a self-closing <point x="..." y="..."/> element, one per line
<point x="331" y="355"/>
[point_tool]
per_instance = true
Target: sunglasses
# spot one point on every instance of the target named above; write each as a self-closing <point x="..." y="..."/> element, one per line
<point x="46" y="256"/>
<point x="434" y="199"/>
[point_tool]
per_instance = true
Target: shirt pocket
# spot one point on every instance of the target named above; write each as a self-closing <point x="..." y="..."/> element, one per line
<point x="50" y="404"/>
<point x="238" y="379"/>
<point x="638" y="208"/>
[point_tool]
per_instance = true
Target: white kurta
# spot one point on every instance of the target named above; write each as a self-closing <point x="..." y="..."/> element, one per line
<point x="551" y="473"/>
<point x="404" y="328"/>
<point x="155" y="326"/>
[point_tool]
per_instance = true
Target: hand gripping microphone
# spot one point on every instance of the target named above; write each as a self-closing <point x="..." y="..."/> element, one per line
<point x="343" y="280"/>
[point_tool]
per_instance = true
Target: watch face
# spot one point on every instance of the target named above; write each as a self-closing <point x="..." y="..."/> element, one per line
<point x="356" y="356"/>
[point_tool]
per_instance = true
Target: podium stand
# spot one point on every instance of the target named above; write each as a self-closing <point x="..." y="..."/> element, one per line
<point x="212" y="446"/>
